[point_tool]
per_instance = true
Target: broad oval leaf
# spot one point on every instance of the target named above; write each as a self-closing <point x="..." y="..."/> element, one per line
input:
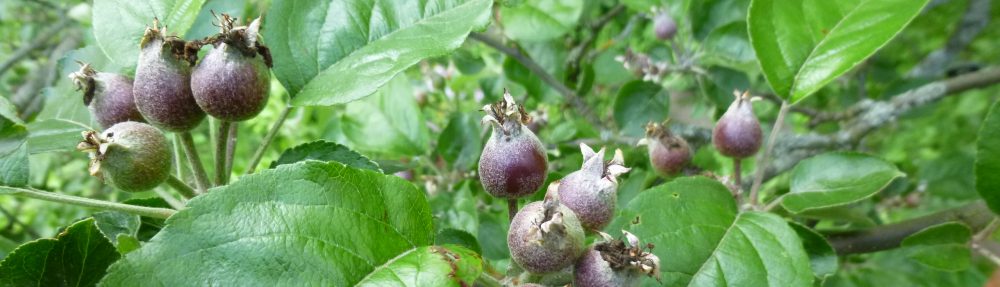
<point x="389" y="123"/>
<point x="120" y="24"/>
<point x="541" y="20"/>
<point x="702" y="240"/>
<point x="326" y="151"/>
<point x="835" y="179"/>
<point x="450" y="265"/>
<point x="460" y="143"/>
<point x="803" y="45"/>
<point x="638" y="103"/>
<point x="333" y="52"/>
<point x="13" y="146"/>
<point x="308" y="223"/>
<point x="944" y="246"/>
<point x="822" y="258"/>
<point x="987" y="168"/>
<point x="54" y="135"/>
<point x="78" y="256"/>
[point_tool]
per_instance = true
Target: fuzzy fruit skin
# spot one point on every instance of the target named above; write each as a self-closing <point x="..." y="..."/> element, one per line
<point x="665" y="26"/>
<point x="138" y="158"/>
<point x="669" y="160"/>
<point x="513" y="166"/>
<point x="591" y="270"/>
<point x="737" y="134"/>
<point x="229" y="85"/>
<point x="544" y="253"/>
<point x="113" y="101"/>
<point x="593" y="204"/>
<point x="162" y="89"/>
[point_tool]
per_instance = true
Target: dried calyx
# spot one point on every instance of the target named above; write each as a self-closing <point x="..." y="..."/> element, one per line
<point x="591" y="192"/>
<point x="668" y="153"/>
<point x="545" y="237"/>
<point x="614" y="262"/>
<point x="132" y="156"/>
<point x="506" y="115"/>
<point x="513" y="163"/>
<point x="246" y="39"/>
<point x="232" y="82"/>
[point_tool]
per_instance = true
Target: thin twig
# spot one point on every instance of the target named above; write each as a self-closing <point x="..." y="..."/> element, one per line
<point x="975" y="19"/>
<point x="267" y="140"/>
<point x="42" y="38"/>
<point x="170" y="199"/>
<point x="511" y="208"/>
<point x="231" y="150"/>
<point x="986" y="249"/>
<point x="987" y="231"/>
<point x="14" y="221"/>
<point x="200" y="177"/>
<point x="737" y="181"/>
<point x="487" y="280"/>
<point x="88" y="202"/>
<point x="181" y="187"/>
<point x="762" y="160"/>
<point x="221" y="142"/>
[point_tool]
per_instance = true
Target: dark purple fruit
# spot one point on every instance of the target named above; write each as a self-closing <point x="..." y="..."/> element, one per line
<point x="668" y="154"/>
<point x="665" y="26"/>
<point x="162" y="84"/>
<point x="232" y="81"/>
<point x="591" y="192"/>
<point x="131" y="156"/>
<point x="737" y="133"/>
<point x="513" y="163"/>
<point x="544" y="237"/>
<point x="108" y="96"/>
<point x="616" y="263"/>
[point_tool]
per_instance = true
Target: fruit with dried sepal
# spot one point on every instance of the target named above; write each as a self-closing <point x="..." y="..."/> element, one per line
<point x="162" y="85"/>
<point x="545" y="237"/>
<point x="232" y="82"/>
<point x="108" y="96"/>
<point x="591" y="192"/>
<point x="131" y="156"/>
<point x="737" y="134"/>
<point x="668" y="153"/>
<point x="513" y="163"/>
<point x="615" y="262"/>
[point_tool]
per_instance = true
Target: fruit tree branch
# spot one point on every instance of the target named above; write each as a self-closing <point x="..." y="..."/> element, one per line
<point x="976" y="215"/>
<point x="976" y="17"/>
<point x="42" y="38"/>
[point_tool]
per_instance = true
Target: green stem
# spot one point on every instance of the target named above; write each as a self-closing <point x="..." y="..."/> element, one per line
<point x="181" y="187"/>
<point x="88" y="202"/>
<point x="231" y="150"/>
<point x="221" y="143"/>
<point x="200" y="177"/>
<point x="267" y="140"/>
<point x="737" y="180"/>
<point x="169" y="198"/>
<point x="488" y="281"/>
<point x="762" y="160"/>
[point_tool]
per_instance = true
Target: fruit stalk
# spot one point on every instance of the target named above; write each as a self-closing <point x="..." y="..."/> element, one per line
<point x="181" y="187"/>
<point x="762" y="160"/>
<point x="200" y="178"/>
<point x="87" y="202"/>
<point x="511" y="208"/>
<point x="231" y="150"/>
<point x="737" y="180"/>
<point x="221" y="145"/>
<point x="257" y="155"/>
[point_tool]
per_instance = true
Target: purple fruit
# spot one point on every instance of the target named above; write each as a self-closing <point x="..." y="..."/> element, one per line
<point x="615" y="263"/>
<point x="513" y="163"/>
<point x="108" y="96"/>
<point x="162" y="84"/>
<point x="665" y="26"/>
<point x="668" y="154"/>
<point x="544" y="237"/>
<point x="591" y="192"/>
<point x="737" y="133"/>
<point x="131" y="156"/>
<point x="232" y="81"/>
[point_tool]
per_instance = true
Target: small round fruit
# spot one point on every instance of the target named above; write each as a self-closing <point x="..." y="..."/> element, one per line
<point x="668" y="154"/>
<point x="737" y="134"/>
<point x="108" y="96"/>
<point x="513" y="163"/>
<point x="131" y="156"/>
<point x="591" y="192"/>
<point x="665" y="26"/>
<point x="162" y="85"/>
<point x="615" y="263"/>
<point x="544" y="237"/>
<point x="232" y="81"/>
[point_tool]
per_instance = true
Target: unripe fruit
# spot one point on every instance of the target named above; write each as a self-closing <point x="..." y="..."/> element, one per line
<point x="591" y="192"/>
<point x="162" y="84"/>
<point x="108" y="96"/>
<point x="513" y="163"/>
<point x="665" y="26"/>
<point x="616" y="263"/>
<point x="132" y="156"/>
<point x="544" y="237"/>
<point x="668" y="154"/>
<point x="232" y="81"/>
<point x="737" y="133"/>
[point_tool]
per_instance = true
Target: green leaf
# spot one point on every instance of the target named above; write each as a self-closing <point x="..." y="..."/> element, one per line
<point x="459" y="143"/>
<point x="541" y="20"/>
<point x="387" y="123"/>
<point x="78" y="256"/>
<point x="428" y="266"/>
<point x="114" y="224"/>
<point x="708" y="15"/>
<point x="326" y="151"/>
<point x="803" y="45"/>
<point x="457" y="237"/>
<point x="822" y="257"/>
<point x="13" y="150"/>
<point x="988" y="159"/>
<point x="638" y="103"/>
<point x="835" y="179"/>
<point x="120" y="24"/>
<point x="333" y="52"/>
<point x="731" y="43"/>
<point x="326" y="223"/>
<point x="703" y="241"/>
<point x="54" y="135"/>
<point x="943" y="246"/>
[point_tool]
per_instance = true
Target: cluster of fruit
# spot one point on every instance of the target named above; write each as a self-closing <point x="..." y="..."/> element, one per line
<point x="172" y="91"/>
<point x="549" y="235"/>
